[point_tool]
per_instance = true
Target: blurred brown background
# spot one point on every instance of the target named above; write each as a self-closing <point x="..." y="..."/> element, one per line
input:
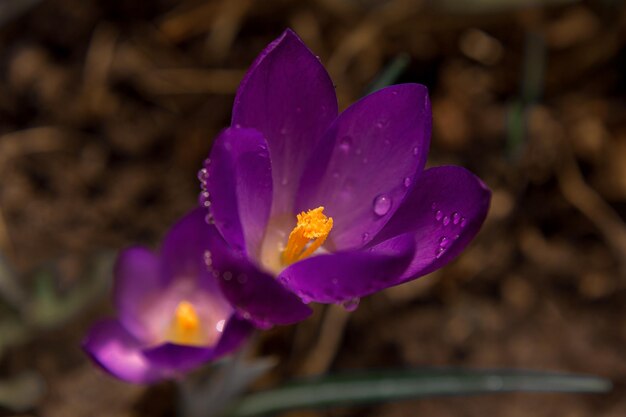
<point x="108" y="107"/>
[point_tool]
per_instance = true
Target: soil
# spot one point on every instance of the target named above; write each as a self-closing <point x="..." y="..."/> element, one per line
<point x="107" y="109"/>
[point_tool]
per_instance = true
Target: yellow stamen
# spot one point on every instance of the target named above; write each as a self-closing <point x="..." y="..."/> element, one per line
<point x="185" y="328"/>
<point x="310" y="232"/>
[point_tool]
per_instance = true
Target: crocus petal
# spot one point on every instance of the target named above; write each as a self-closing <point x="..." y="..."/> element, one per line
<point x="119" y="353"/>
<point x="182" y="254"/>
<point x="343" y="276"/>
<point x="235" y="333"/>
<point x="256" y="295"/>
<point x="239" y="183"/>
<point x="177" y="358"/>
<point x="289" y="97"/>
<point x="366" y="162"/>
<point x="444" y="211"/>
<point x="180" y="358"/>
<point x="138" y="282"/>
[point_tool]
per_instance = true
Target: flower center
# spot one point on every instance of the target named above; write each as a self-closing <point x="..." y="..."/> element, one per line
<point x="185" y="328"/>
<point x="311" y="231"/>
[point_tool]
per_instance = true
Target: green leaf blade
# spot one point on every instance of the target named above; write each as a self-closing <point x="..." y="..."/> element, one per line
<point x="385" y="386"/>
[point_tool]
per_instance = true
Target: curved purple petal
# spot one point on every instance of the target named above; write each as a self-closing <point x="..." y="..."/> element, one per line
<point x="444" y="211"/>
<point x="119" y="353"/>
<point x="138" y="282"/>
<point x="343" y="276"/>
<point x="182" y="253"/>
<point x="235" y="333"/>
<point x="255" y="295"/>
<point x="288" y="96"/>
<point x="239" y="184"/>
<point x="181" y="358"/>
<point x="367" y="161"/>
<point x="177" y="358"/>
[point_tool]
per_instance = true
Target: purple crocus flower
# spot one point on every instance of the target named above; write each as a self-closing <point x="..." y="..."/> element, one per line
<point x="311" y="205"/>
<point x="172" y="314"/>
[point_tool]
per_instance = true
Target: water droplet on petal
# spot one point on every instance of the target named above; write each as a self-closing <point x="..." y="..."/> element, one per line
<point x="438" y="215"/>
<point x="433" y="206"/>
<point x="446" y="220"/>
<point x="439" y="252"/>
<point x="203" y="199"/>
<point x="443" y="241"/>
<point x="382" y="205"/>
<point x="345" y="143"/>
<point x="203" y="175"/>
<point x="219" y="326"/>
<point x="365" y="236"/>
<point x="407" y="182"/>
<point x="416" y="151"/>
<point x="352" y="304"/>
<point x="456" y="218"/>
<point x="227" y="276"/>
<point x="463" y="222"/>
<point x="208" y="259"/>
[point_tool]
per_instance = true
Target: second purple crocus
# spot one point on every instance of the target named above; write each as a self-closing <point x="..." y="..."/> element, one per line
<point x="172" y="316"/>
<point x="311" y="205"/>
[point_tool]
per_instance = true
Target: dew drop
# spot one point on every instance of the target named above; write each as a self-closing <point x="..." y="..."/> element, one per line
<point x="203" y="175"/>
<point x="227" y="276"/>
<point x="444" y="241"/>
<point x="382" y="205"/>
<point x="352" y="304"/>
<point x="365" y="236"/>
<point x="438" y="215"/>
<point x="456" y="218"/>
<point x="433" y="206"/>
<point x="456" y="237"/>
<point x="345" y="143"/>
<point x="416" y="151"/>
<point x="446" y="220"/>
<point x="439" y="252"/>
<point x="463" y="222"/>
<point x="246" y="315"/>
<point x="208" y="260"/>
<point x="203" y="199"/>
<point x="219" y="326"/>
<point x="407" y="182"/>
